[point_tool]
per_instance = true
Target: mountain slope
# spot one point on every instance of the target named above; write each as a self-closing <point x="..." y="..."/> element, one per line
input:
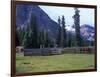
<point x="43" y="20"/>
<point x="87" y="32"/>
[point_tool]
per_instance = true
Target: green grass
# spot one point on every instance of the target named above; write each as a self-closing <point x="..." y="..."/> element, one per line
<point x="54" y="62"/>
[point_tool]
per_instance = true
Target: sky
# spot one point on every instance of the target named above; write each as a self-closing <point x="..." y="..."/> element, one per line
<point x="86" y="14"/>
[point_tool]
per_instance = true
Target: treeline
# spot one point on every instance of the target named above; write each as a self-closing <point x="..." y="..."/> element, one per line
<point x="34" y="37"/>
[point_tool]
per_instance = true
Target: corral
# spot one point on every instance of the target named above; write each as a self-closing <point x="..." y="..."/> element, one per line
<point x="56" y="51"/>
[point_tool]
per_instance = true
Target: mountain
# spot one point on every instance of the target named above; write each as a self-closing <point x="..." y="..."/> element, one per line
<point x="23" y="12"/>
<point x="87" y="32"/>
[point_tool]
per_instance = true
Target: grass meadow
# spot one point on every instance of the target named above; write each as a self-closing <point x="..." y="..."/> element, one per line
<point x="54" y="62"/>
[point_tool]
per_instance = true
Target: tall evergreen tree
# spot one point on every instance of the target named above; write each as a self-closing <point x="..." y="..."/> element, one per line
<point x="76" y="18"/>
<point x="31" y="36"/>
<point x="47" y="40"/>
<point x="41" y="39"/>
<point x="58" y="39"/>
<point x="44" y="39"/>
<point x="69" y="42"/>
<point x="61" y="37"/>
<point x="63" y="33"/>
<point x="17" y="39"/>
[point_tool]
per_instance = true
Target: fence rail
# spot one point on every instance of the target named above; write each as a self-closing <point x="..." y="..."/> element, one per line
<point x="52" y="51"/>
<point x="79" y="50"/>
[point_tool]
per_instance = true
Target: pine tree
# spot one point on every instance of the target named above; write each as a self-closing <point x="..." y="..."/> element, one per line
<point x="41" y="39"/>
<point x="44" y="39"/>
<point x="26" y="40"/>
<point x="47" y="41"/>
<point x="69" y="35"/>
<point x="17" y="39"/>
<point x="20" y="35"/>
<point x="77" y="27"/>
<point x="58" y="39"/>
<point x="61" y="37"/>
<point x="63" y="33"/>
<point x="31" y="36"/>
